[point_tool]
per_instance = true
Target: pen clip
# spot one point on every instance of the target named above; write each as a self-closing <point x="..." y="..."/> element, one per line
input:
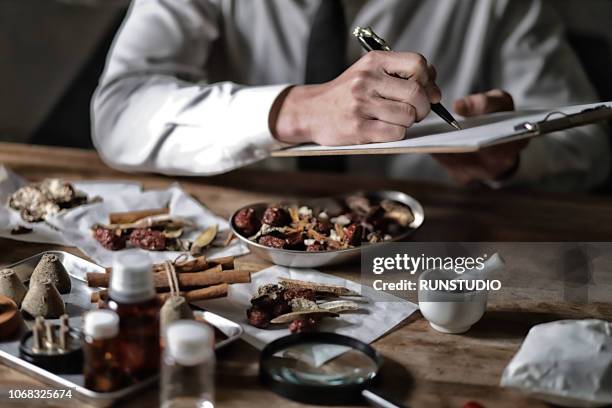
<point x="365" y="34"/>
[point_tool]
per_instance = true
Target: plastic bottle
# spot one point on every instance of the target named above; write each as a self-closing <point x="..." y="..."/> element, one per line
<point x="188" y="368"/>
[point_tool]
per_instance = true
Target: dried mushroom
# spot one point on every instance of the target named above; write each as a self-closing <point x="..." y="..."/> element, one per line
<point x="36" y="202"/>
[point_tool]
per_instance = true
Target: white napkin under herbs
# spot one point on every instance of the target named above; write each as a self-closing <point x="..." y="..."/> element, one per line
<point x="43" y="232"/>
<point x="379" y="312"/>
<point x="77" y="223"/>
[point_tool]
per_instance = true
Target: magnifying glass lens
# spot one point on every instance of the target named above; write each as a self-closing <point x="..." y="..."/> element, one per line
<point x="321" y="364"/>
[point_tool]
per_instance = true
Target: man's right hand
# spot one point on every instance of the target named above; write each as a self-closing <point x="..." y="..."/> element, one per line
<point x="375" y="100"/>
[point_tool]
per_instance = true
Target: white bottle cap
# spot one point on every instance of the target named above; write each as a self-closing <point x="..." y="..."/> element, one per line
<point x="189" y="342"/>
<point x="101" y="324"/>
<point x="132" y="279"/>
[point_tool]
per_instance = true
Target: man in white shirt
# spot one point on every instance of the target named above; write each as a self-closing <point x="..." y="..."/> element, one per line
<point x="200" y="87"/>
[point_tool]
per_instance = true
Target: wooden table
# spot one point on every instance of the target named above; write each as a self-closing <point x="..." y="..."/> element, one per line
<point x="426" y="368"/>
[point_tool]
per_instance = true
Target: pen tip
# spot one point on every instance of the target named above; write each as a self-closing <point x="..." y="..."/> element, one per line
<point x="456" y="125"/>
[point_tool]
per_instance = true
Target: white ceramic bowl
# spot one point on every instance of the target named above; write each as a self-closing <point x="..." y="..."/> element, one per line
<point x="450" y="312"/>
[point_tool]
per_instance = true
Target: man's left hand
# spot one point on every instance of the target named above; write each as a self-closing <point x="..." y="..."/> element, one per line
<point x="493" y="163"/>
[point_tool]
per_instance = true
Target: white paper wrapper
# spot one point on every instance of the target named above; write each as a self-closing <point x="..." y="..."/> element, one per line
<point x="567" y="363"/>
<point x="42" y="232"/>
<point x="379" y="312"/>
<point x="77" y="223"/>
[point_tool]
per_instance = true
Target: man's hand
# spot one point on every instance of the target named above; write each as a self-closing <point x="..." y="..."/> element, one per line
<point x="375" y="100"/>
<point x="493" y="163"/>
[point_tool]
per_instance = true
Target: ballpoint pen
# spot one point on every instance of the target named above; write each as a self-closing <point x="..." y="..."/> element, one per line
<point x="372" y="42"/>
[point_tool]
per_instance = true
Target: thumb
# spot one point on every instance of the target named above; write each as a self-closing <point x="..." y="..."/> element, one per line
<point x="484" y="103"/>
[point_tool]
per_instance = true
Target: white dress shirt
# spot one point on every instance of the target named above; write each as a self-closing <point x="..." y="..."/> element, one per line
<point x="189" y="84"/>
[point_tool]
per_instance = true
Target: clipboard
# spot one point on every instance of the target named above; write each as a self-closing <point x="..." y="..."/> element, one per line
<point x="436" y="137"/>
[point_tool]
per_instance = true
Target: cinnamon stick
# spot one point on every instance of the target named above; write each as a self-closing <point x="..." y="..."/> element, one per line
<point x="211" y="292"/>
<point x="194" y="265"/>
<point x="133" y="216"/>
<point x="227" y="262"/>
<point x="196" y="279"/>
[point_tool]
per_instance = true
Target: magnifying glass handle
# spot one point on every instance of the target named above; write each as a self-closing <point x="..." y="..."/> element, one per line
<point x="377" y="401"/>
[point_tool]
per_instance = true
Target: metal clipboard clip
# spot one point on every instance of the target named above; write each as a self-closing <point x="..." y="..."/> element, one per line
<point x="565" y="121"/>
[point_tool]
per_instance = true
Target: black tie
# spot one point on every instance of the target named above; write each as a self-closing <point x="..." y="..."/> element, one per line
<point x="326" y="60"/>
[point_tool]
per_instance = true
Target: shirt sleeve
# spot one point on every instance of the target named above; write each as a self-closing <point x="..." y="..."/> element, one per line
<point x="534" y="62"/>
<point x="154" y="109"/>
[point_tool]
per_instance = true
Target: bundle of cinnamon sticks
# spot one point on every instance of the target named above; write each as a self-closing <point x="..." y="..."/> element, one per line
<point x="199" y="279"/>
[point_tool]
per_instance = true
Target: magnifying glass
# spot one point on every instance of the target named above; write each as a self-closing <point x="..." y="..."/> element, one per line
<point x="322" y="369"/>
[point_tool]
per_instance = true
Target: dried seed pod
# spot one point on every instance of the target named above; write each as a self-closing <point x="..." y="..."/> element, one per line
<point x="289" y="317"/>
<point x="276" y="217"/>
<point x="317" y="287"/>
<point x="204" y="240"/>
<point x="303" y="305"/>
<point x="339" y="306"/>
<point x="246" y="222"/>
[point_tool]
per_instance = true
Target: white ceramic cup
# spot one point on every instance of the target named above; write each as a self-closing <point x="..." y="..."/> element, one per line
<point x="450" y="312"/>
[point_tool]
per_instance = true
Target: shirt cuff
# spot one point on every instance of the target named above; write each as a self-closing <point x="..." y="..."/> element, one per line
<point x="254" y="105"/>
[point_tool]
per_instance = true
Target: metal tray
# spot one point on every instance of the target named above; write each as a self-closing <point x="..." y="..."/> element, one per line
<point x="77" y="302"/>
<point x="303" y="259"/>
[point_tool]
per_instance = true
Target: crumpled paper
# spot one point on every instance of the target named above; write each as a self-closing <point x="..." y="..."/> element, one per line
<point x="76" y="224"/>
<point x="379" y="312"/>
<point x="43" y="232"/>
<point x="567" y="363"/>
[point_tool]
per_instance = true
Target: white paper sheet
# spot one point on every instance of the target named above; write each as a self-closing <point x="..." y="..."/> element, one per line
<point x="567" y="363"/>
<point x="379" y="312"/>
<point x="43" y="232"/>
<point x="77" y="223"/>
<point x="435" y="134"/>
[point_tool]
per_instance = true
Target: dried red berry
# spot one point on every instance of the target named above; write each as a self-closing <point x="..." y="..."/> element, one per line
<point x="353" y="234"/>
<point x="246" y="222"/>
<point x="276" y="217"/>
<point x="303" y="325"/>
<point x="258" y="318"/>
<point x="109" y="239"/>
<point x="295" y="240"/>
<point x="272" y="241"/>
<point x="148" y="239"/>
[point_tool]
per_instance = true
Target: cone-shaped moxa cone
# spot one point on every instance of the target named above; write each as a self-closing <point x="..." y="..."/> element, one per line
<point x="44" y="300"/>
<point x="11" y="286"/>
<point x="175" y="308"/>
<point x="50" y="268"/>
